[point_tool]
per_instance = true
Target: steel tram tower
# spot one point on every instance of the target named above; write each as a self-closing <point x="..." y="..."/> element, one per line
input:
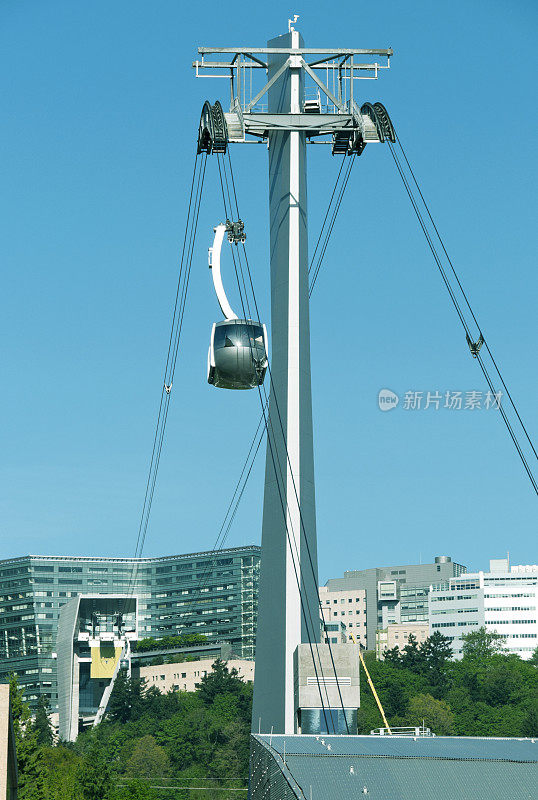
<point x="294" y="106"/>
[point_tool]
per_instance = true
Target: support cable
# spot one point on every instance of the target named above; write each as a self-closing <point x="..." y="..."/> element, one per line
<point x="226" y="526"/>
<point x="231" y="512"/>
<point x="185" y="264"/>
<point x="465" y="296"/>
<point x="310" y="559"/>
<point x="326" y="215"/>
<point x="329" y="231"/>
<point x="461" y="315"/>
<point x="285" y="508"/>
<point x="301" y="520"/>
<point x="321" y="235"/>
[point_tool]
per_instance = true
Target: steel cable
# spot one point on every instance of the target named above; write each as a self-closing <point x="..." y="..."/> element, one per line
<point x="283" y="503"/>
<point x="302" y="525"/>
<point x="193" y="211"/>
<point x="461" y="315"/>
<point x="465" y="296"/>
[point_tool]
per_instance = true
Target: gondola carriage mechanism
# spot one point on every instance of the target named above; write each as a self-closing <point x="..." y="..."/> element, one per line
<point x="237" y="357"/>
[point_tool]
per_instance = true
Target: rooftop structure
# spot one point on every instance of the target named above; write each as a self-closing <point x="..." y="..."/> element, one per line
<point x="399" y="767"/>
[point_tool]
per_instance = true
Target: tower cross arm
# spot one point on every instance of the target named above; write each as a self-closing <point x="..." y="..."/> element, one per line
<point x="298" y="51"/>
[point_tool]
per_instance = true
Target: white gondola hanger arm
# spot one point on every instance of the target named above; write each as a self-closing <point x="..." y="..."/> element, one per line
<point x="214" y="264"/>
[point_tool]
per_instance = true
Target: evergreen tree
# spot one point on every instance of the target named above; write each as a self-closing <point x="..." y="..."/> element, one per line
<point x="94" y="776"/>
<point x="530" y="723"/>
<point x="393" y="656"/>
<point x="127" y="698"/>
<point x="412" y="656"/>
<point x="30" y="762"/>
<point x="395" y="699"/>
<point x="436" y="651"/>
<point x="42" y="723"/>
<point x="220" y="680"/>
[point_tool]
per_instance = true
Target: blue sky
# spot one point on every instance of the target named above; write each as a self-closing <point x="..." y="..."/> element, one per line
<point x="99" y="116"/>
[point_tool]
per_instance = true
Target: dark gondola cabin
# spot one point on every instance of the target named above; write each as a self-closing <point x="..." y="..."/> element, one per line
<point x="237" y="357"/>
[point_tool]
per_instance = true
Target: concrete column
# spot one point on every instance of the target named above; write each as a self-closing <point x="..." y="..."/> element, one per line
<point x="280" y="625"/>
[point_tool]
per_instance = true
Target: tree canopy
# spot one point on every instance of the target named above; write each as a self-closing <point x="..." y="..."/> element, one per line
<point x="189" y="739"/>
<point x="488" y="692"/>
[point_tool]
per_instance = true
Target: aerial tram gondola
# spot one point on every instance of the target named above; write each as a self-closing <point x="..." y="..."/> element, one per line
<point x="237" y="357"/>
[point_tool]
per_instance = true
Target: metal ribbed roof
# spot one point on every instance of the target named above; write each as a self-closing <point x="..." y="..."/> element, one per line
<point x="404" y="768"/>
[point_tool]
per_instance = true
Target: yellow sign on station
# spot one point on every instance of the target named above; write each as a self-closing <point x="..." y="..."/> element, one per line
<point x="104" y="660"/>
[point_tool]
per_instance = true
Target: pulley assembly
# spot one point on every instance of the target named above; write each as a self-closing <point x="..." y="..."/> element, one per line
<point x="351" y="132"/>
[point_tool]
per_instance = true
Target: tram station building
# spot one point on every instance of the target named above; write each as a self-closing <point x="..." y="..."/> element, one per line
<point x="214" y="594"/>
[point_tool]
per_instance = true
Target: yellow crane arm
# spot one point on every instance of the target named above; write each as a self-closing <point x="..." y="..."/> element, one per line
<point x="372" y="687"/>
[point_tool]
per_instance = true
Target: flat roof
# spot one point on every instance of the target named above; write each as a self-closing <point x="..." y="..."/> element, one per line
<point x="404" y="768"/>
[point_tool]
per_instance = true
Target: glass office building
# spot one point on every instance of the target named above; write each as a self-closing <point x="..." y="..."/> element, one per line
<point x="214" y="594"/>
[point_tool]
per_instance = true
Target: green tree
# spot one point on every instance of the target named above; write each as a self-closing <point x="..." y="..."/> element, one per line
<point x="437" y="651"/>
<point x="62" y="765"/>
<point x="393" y="656"/>
<point x="412" y="655"/>
<point x="534" y="658"/>
<point x="482" y="644"/>
<point x="168" y="642"/>
<point x="127" y="698"/>
<point x="42" y="723"/>
<point x="530" y="722"/>
<point x="137" y="790"/>
<point x="395" y="699"/>
<point x="30" y="762"/>
<point x="148" y="760"/>
<point x="436" y="714"/>
<point x="94" y="776"/>
<point x="219" y="681"/>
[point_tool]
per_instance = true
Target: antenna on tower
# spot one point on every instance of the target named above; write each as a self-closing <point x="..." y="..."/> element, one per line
<point x="292" y="22"/>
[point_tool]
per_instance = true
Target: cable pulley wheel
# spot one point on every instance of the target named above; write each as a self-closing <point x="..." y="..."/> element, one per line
<point x="386" y="122"/>
<point x="213" y="131"/>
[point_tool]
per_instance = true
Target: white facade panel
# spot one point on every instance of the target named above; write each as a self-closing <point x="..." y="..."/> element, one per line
<point x="502" y="601"/>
